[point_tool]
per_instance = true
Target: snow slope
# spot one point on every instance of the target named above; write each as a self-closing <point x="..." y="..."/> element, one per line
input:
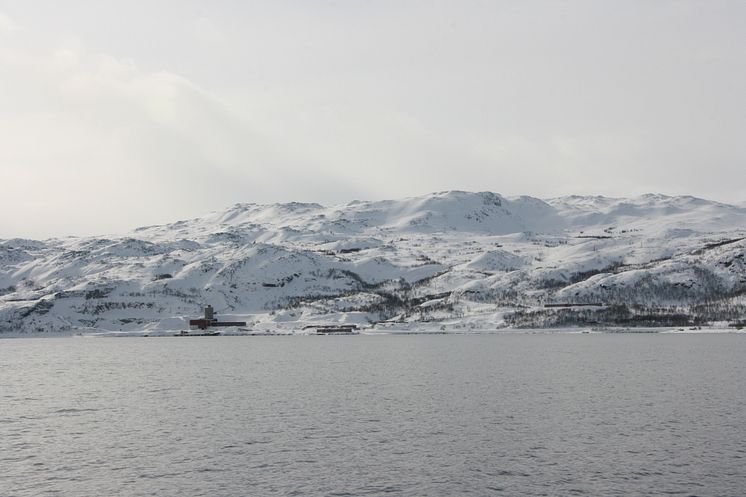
<point x="442" y="260"/>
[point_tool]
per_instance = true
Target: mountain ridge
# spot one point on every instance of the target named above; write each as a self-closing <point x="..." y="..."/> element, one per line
<point x="478" y="259"/>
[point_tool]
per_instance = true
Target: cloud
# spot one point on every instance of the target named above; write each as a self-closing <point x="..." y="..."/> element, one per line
<point x="95" y="143"/>
<point x="7" y="25"/>
<point x="92" y="141"/>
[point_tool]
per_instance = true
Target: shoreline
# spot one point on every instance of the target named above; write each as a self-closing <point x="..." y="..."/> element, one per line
<point x="713" y="330"/>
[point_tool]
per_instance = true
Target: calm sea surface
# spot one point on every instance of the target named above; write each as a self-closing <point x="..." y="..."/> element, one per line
<point x="513" y="414"/>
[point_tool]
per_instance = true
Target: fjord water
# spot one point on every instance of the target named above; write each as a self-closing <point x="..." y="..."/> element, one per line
<point x="511" y="414"/>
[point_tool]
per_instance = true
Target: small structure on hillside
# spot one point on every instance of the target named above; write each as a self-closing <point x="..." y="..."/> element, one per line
<point x="211" y="321"/>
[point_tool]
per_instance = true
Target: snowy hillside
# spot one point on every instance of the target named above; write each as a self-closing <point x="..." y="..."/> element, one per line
<point x="449" y="260"/>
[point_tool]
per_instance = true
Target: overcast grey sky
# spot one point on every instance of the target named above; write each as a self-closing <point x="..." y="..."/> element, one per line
<point x="115" y="114"/>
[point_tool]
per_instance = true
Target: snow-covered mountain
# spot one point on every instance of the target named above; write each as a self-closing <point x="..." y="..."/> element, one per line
<point x="446" y="260"/>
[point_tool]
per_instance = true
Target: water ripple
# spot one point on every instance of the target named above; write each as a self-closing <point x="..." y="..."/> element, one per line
<point x="396" y="415"/>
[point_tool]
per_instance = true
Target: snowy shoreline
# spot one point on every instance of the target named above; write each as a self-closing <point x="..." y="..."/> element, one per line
<point x="379" y="332"/>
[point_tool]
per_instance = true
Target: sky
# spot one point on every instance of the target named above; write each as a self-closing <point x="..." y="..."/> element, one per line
<point x="118" y="114"/>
